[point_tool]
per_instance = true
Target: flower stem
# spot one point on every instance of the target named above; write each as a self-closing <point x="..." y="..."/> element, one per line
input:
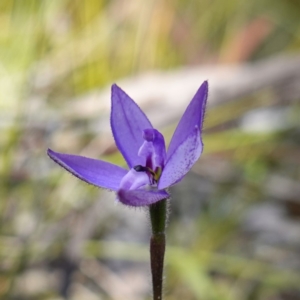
<point x="158" y="216"/>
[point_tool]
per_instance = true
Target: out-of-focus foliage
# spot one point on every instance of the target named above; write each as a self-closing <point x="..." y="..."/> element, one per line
<point x="60" y="238"/>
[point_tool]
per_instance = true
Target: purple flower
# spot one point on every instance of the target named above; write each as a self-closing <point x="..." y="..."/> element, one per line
<point x="151" y="169"/>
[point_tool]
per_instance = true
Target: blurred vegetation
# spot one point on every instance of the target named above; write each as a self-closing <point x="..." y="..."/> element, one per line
<point x="58" y="240"/>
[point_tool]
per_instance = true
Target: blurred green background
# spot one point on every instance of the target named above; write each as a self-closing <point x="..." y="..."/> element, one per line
<point x="234" y="230"/>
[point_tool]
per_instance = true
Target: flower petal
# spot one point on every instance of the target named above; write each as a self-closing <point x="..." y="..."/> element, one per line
<point x="141" y="197"/>
<point x="134" y="180"/>
<point x="193" y="116"/>
<point x="127" y="123"/>
<point x="93" y="171"/>
<point x="181" y="160"/>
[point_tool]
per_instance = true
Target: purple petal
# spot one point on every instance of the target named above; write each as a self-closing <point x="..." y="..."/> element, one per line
<point x="182" y="160"/>
<point x="141" y="197"/>
<point x="127" y="123"/>
<point x="193" y="116"/>
<point x="93" y="171"/>
<point x="134" y="180"/>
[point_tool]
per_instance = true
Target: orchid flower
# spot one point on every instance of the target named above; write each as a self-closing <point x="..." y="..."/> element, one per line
<point x="152" y="169"/>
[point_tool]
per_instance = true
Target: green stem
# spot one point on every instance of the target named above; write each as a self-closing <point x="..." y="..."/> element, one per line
<point x="158" y="216"/>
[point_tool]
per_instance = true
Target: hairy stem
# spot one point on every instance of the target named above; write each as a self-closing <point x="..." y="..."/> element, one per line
<point x="158" y="215"/>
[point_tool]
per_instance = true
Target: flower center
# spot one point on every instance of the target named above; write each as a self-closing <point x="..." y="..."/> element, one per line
<point x="153" y="175"/>
<point x="153" y="150"/>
